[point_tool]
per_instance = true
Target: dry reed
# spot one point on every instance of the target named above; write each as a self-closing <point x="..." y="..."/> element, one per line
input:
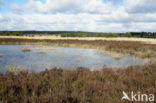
<point x="26" y="49"/>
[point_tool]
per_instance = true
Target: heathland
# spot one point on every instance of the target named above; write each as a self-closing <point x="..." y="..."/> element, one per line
<point x="81" y="85"/>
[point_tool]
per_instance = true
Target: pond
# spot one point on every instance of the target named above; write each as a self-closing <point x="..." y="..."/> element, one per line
<point x="40" y="58"/>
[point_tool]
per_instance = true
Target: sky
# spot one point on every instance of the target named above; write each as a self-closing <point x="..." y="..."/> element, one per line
<point x="79" y="15"/>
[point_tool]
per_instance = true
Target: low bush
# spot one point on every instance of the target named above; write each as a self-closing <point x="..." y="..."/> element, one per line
<point x="76" y="86"/>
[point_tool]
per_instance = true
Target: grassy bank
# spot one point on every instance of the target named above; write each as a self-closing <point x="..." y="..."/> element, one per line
<point x="77" y="86"/>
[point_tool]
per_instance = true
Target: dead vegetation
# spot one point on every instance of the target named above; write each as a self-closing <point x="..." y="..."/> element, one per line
<point x="77" y="86"/>
<point x="58" y="37"/>
<point x="115" y="55"/>
<point x="12" y="68"/>
<point x="26" y="49"/>
<point x="40" y="50"/>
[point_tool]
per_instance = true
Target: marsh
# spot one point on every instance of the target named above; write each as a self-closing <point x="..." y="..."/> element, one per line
<point x="61" y="57"/>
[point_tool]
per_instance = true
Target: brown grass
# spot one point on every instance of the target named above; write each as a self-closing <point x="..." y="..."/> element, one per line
<point x="14" y="69"/>
<point x="77" y="86"/>
<point x="47" y="49"/>
<point x="58" y="37"/>
<point x="26" y="49"/>
<point x="115" y="55"/>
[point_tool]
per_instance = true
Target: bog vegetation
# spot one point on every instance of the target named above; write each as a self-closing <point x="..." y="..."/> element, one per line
<point x="76" y="86"/>
<point x="26" y="49"/>
<point x="137" y="49"/>
<point x="81" y="85"/>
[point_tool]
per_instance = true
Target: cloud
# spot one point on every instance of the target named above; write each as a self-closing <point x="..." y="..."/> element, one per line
<point x="69" y="6"/>
<point x="82" y="15"/>
<point x="15" y="8"/>
<point x="140" y="6"/>
<point x="79" y="22"/>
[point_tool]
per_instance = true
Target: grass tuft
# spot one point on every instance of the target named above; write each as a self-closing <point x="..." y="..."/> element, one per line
<point x="115" y="55"/>
<point x="12" y="68"/>
<point x="26" y="49"/>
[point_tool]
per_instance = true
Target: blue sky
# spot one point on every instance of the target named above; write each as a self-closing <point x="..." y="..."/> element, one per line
<point x="81" y="15"/>
<point x="7" y="3"/>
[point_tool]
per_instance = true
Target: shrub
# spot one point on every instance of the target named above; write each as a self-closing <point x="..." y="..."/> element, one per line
<point x="76" y="86"/>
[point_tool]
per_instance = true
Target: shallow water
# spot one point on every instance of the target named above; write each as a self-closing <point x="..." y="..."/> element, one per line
<point x="67" y="58"/>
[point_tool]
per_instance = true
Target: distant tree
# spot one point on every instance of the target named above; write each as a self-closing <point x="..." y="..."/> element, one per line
<point x="127" y="34"/>
<point x="7" y="33"/>
<point x="14" y="33"/>
<point x="1" y="33"/>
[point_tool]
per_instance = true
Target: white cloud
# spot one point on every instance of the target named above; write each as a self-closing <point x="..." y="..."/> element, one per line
<point x="140" y="6"/>
<point x="82" y="15"/>
<point x="15" y="8"/>
<point x="80" y="22"/>
<point x="69" y="6"/>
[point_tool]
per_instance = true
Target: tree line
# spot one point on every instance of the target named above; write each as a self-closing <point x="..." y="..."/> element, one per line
<point x="127" y="34"/>
<point x="11" y="33"/>
<point x="80" y="34"/>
